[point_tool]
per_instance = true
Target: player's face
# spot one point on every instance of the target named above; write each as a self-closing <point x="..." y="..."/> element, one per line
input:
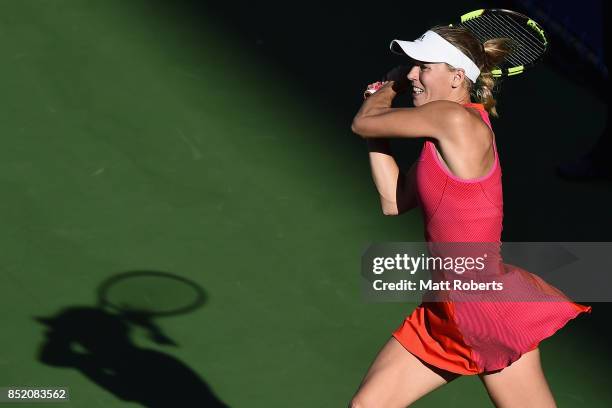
<point x="430" y="82"/>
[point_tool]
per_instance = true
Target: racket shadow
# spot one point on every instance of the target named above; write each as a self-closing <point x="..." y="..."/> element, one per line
<point x="97" y="342"/>
<point x="139" y="297"/>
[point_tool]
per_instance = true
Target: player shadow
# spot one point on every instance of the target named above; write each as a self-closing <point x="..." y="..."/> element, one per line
<point x="98" y="343"/>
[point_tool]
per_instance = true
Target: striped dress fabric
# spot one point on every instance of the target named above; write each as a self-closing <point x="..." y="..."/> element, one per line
<point x="480" y="334"/>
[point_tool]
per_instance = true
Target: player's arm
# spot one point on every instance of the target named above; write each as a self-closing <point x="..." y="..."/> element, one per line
<point x="396" y="188"/>
<point x="376" y="118"/>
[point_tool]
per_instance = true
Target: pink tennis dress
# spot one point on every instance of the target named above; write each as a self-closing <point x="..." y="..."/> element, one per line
<point x="472" y="337"/>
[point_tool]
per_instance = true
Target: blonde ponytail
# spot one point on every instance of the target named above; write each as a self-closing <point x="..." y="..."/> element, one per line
<point x="486" y="56"/>
<point x="495" y="50"/>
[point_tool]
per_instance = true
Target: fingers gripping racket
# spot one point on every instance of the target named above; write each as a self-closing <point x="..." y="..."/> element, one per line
<point x="528" y="43"/>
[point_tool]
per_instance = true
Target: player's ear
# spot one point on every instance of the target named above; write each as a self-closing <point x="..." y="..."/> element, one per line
<point x="458" y="78"/>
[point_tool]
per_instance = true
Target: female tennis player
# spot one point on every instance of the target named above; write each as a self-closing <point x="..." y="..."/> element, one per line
<point x="457" y="184"/>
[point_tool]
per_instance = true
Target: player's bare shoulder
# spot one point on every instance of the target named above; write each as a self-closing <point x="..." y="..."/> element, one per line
<point x="453" y="118"/>
<point x="479" y="127"/>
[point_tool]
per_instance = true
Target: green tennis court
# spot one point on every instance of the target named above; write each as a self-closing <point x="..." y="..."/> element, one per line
<point x="139" y="138"/>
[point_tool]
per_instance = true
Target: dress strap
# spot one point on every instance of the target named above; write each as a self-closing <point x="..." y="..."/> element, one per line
<point x="478" y="106"/>
<point x="481" y="109"/>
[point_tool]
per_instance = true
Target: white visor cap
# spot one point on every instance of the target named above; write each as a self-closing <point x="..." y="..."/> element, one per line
<point x="431" y="47"/>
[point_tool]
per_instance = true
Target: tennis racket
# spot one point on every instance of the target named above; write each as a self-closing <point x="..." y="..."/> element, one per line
<point x="528" y="40"/>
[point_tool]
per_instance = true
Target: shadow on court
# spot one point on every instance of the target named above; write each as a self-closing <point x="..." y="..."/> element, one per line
<point x="98" y="343"/>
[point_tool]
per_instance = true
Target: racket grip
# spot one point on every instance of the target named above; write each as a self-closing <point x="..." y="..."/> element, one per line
<point x="372" y="89"/>
<point x="368" y="93"/>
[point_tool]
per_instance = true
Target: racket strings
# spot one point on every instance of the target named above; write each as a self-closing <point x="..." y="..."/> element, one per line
<point x="521" y="51"/>
<point x="505" y="25"/>
<point x="484" y="33"/>
<point x="525" y="46"/>
<point x="525" y="36"/>
<point x="519" y="28"/>
<point x="515" y="57"/>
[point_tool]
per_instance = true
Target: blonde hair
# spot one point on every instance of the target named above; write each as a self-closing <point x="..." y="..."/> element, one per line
<point x="486" y="56"/>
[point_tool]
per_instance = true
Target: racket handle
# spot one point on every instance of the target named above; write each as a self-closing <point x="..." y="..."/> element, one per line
<point x="368" y="93"/>
<point x="372" y="89"/>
